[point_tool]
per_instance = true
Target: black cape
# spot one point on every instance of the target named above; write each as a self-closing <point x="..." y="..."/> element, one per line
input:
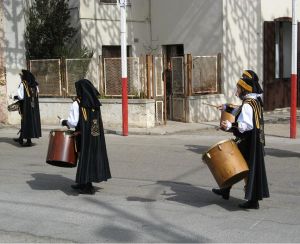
<point x="29" y="108"/>
<point x="93" y="164"/>
<point x="251" y="144"/>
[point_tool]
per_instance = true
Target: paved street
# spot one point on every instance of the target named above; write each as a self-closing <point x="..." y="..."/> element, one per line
<point x="160" y="192"/>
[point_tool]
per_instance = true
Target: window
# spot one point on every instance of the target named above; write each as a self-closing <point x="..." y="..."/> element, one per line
<point x="108" y="1"/>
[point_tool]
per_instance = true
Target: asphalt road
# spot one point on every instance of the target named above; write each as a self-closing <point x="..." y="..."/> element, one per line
<point x="160" y="192"/>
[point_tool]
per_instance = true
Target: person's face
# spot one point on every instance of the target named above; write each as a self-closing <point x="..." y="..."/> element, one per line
<point x="238" y="91"/>
<point x="169" y="65"/>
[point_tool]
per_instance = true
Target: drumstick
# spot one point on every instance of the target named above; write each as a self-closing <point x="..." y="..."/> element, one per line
<point x="216" y="106"/>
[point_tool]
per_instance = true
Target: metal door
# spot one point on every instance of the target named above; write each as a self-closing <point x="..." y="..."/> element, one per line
<point x="177" y="101"/>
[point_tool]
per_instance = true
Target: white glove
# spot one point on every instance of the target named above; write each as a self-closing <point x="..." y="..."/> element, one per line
<point x="60" y="120"/>
<point x="228" y="125"/>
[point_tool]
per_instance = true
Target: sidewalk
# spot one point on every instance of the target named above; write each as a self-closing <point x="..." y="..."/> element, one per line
<point x="278" y="116"/>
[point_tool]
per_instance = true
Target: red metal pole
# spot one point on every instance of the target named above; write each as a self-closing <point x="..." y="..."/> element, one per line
<point x="124" y="68"/>
<point x="293" y="121"/>
<point x="124" y="107"/>
<point x="293" y="112"/>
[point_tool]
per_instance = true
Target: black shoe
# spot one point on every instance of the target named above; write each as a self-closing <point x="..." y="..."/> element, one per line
<point x="27" y="144"/>
<point x="249" y="205"/>
<point x="87" y="189"/>
<point x="78" y="186"/>
<point x="18" y="140"/>
<point x="222" y="192"/>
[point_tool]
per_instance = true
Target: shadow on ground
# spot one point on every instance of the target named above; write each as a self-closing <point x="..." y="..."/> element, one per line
<point x="11" y="141"/>
<point x="197" y="148"/>
<point x="52" y="182"/>
<point x="281" y="153"/>
<point x="197" y="197"/>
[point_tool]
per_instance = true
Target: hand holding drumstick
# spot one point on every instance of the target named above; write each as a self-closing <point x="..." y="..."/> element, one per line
<point x="220" y="107"/>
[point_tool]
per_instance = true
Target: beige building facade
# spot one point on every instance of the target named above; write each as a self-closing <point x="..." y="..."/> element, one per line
<point x="233" y="29"/>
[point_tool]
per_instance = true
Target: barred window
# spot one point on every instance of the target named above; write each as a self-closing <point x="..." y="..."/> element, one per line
<point x="128" y="2"/>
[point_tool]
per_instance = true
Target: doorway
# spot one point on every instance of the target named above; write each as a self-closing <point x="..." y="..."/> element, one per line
<point x="174" y="79"/>
<point x="277" y="63"/>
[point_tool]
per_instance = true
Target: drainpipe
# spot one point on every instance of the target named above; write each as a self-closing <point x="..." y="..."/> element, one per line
<point x="124" y="68"/>
<point x="293" y="111"/>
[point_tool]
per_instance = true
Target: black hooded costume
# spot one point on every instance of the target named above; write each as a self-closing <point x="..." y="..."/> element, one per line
<point x="93" y="164"/>
<point x="29" y="108"/>
<point x="251" y="142"/>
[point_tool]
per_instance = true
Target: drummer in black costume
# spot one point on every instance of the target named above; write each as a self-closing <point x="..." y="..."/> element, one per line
<point x="29" y="110"/>
<point x="85" y="117"/>
<point x="248" y="129"/>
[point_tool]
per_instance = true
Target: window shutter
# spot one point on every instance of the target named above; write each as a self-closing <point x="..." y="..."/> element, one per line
<point x="269" y="52"/>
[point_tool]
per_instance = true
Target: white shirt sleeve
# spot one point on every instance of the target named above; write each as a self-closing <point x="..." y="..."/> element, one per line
<point x="20" y="91"/>
<point x="245" y="119"/>
<point x="73" y="115"/>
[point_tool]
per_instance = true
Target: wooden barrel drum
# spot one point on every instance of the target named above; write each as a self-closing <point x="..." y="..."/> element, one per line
<point x="226" y="163"/>
<point x="62" y="149"/>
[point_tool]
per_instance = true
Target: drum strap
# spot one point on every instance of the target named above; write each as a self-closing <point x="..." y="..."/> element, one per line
<point x="256" y="111"/>
<point x="26" y="88"/>
<point x="75" y="146"/>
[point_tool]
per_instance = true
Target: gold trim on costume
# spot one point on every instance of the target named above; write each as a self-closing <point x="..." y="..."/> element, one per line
<point x="245" y="85"/>
<point x="247" y="74"/>
<point x="256" y="111"/>
<point x="84" y="113"/>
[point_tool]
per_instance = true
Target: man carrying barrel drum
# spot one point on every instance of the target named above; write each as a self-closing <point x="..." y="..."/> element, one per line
<point x="248" y="129"/>
<point x="85" y="117"/>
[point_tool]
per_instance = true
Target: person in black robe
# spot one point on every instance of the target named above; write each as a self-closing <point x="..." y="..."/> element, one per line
<point x="29" y="109"/>
<point x="168" y="79"/>
<point x="85" y="117"/>
<point x="248" y="129"/>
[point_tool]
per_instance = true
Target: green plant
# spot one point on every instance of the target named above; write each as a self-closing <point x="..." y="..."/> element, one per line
<point x="48" y="30"/>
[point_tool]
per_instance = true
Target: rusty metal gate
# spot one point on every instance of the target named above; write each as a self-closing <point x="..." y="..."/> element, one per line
<point x="112" y="77"/>
<point x="177" y="100"/>
<point x="48" y="74"/>
<point x="205" y="74"/>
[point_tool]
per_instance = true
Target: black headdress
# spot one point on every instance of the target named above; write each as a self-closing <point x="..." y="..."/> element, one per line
<point x="87" y="93"/>
<point x="29" y="77"/>
<point x="251" y="79"/>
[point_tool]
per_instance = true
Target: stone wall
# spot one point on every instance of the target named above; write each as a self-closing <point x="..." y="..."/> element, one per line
<point x="141" y="112"/>
<point x="3" y="103"/>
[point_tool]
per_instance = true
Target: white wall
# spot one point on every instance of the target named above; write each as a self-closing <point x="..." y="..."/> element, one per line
<point x="242" y="42"/>
<point x="100" y="25"/>
<point x="272" y="9"/>
<point x="195" y="23"/>
<point x="14" y="50"/>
